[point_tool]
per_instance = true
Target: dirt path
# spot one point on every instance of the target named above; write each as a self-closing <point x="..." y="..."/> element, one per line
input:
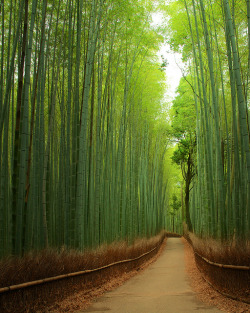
<point x="161" y="288"/>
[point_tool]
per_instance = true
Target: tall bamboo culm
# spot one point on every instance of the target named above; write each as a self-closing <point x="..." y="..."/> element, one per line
<point x="221" y="95"/>
<point x="81" y="162"/>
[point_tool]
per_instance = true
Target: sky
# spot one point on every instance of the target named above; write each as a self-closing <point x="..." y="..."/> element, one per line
<point x="173" y="70"/>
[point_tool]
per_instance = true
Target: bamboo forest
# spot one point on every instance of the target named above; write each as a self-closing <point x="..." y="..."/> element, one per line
<point x="86" y="132"/>
<point x="93" y="151"/>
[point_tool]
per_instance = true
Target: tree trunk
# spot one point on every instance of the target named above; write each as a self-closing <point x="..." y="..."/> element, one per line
<point x="189" y="176"/>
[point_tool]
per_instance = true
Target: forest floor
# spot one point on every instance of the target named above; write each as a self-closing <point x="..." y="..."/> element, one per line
<point x="205" y="292"/>
<point x="163" y="287"/>
<point x="169" y="282"/>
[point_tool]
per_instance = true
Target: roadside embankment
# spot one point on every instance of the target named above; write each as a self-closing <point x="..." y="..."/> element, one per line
<point x="219" y="273"/>
<point x="41" y="279"/>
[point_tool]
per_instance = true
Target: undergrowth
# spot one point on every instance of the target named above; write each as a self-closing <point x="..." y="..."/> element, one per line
<point x="232" y="282"/>
<point x="49" y="263"/>
<point x="222" y="252"/>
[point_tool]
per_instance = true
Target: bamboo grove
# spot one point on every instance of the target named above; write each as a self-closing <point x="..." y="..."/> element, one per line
<point x="215" y="41"/>
<point x="81" y="147"/>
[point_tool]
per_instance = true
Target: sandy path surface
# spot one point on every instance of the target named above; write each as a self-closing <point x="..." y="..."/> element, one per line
<point x="162" y="287"/>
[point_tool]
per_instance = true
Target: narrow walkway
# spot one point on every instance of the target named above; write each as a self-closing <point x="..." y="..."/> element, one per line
<point x="162" y="288"/>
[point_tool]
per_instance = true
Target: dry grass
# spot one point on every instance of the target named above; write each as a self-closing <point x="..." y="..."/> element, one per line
<point x="51" y="263"/>
<point x="224" y="253"/>
<point x="205" y="292"/>
<point x="233" y="282"/>
<point x="81" y="300"/>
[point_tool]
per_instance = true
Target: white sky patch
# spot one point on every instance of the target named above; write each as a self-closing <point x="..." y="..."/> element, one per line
<point x="174" y="62"/>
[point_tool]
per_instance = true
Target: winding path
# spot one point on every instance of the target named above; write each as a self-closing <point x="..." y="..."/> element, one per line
<point x="162" y="288"/>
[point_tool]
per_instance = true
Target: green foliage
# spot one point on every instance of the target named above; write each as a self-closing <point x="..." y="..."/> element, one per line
<point x="175" y="204"/>
<point x="181" y="154"/>
<point x="183" y="127"/>
<point x="218" y="62"/>
<point x="183" y="114"/>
